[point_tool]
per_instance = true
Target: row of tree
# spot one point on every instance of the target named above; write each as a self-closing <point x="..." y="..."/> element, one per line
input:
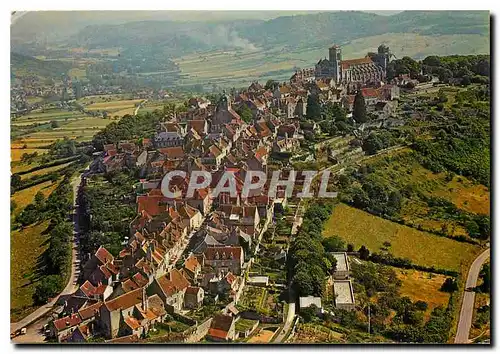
<point x="57" y="257"/>
<point x="308" y="263"/>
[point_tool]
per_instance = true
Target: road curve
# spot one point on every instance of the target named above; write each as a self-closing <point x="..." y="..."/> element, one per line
<point x="465" y="321"/>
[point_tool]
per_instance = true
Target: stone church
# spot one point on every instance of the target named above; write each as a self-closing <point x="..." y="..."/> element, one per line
<point x="354" y="72"/>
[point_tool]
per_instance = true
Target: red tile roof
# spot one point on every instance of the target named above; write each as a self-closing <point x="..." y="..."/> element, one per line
<point x="103" y="255"/>
<point x="67" y="322"/>
<point x="236" y="251"/>
<point x="192" y="290"/>
<point x="191" y="263"/>
<point x="176" y="152"/>
<point x="369" y="92"/>
<point x="87" y="288"/>
<point x="132" y="323"/>
<point x="173" y="282"/>
<point x="217" y="333"/>
<point x="353" y="62"/>
<point x="125" y="301"/>
<point x="89" y="311"/>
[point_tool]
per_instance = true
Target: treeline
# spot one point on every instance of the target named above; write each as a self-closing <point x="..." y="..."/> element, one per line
<point x="50" y="164"/>
<point x="127" y="128"/>
<point x="458" y="66"/>
<point x="308" y="262"/>
<point x="381" y="139"/>
<point x="469" y="68"/>
<point x="17" y="183"/>
<point x="57" y="258"/>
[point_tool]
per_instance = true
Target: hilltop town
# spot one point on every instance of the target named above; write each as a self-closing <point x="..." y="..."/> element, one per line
<point x="227" y="268"/>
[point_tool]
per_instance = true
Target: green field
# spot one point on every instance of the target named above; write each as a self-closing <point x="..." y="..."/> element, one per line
<point x="70" y="124"/>
<point x="361" y="228"/>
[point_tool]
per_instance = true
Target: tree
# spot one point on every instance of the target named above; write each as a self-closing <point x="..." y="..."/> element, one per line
<point x="350" y="247"/>
<point x="364" y="253"/>
<point x="245" y="113"/>
<point x="309" y="313"/>
<point x="450" y="285"/>
<point x="372" y="144"/>
<point x="271" y="85"/>
<point x="359" y="108"/>
<point x="421" y="305"/>
<point x="486" y="276"/>
<point x="333" y="244"/>
<point x="15" y="181"/>
<point x="48" y="287"/>
<point x="54" y="124"/>
<point x="313" y="107"/>
<point x="303" y="283"/>
<point x="39" y="199"/>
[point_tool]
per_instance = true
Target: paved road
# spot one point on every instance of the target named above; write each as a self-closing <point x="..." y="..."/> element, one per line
<point x="72" y="284"/>
<point x="465" y="320"/>
<point x="289" y="321"/>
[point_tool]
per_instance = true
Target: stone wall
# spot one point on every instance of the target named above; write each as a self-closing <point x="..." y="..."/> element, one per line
<point x="200" y="332"/>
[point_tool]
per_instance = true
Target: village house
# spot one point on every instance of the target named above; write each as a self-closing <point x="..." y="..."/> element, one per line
<point x="222" y="328"/>
<point x="171" y="288"/>
<point x="193" y="297"/>
<point x="225" y="258"/>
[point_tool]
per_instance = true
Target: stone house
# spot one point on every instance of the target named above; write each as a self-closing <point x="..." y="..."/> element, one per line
<point x="193" y="297"/>
<point x="222" y="328"/>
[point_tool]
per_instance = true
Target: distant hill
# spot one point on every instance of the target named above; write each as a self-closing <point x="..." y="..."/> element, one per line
<point x="339" y="27"/>
<point x="22" y="65"/>
<point x="296" y="30"/>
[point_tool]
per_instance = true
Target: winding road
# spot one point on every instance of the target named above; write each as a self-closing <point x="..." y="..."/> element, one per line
<point x="465" y="321"/>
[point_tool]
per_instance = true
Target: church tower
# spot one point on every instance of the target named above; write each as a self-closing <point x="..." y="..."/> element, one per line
<point x="335" y="57"/>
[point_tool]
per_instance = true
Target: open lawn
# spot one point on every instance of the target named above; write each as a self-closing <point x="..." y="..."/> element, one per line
<point x="243" y="325"/>
<point x="26" y="247"/>
<point x="423" y="286"/>
<point x="361" y="228"/>
<point x="46" y="116"/>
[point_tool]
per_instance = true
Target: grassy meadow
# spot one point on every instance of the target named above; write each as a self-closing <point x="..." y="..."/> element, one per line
<point x="361" y="228"/>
